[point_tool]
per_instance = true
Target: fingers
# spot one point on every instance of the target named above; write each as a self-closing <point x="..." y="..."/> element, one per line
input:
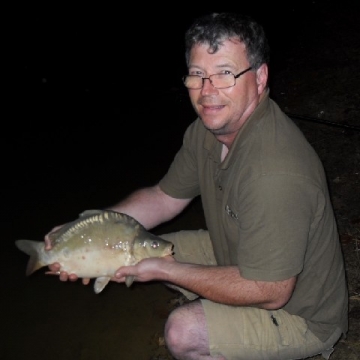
<point x="63" y="275"/>
<point x="122" y="273"/>
<point x="54" y="269"/>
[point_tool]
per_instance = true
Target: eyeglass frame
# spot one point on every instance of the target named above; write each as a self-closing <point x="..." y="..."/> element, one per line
<point x="209" y="78"/>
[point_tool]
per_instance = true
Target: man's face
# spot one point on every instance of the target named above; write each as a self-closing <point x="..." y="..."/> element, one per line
<point x="224" y="111"/>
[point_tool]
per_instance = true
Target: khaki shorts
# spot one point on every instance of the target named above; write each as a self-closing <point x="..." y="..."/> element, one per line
<point x="246" y="332"/>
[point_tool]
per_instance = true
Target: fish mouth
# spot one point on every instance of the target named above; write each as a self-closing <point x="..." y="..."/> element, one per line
<point x="170" y="250"/>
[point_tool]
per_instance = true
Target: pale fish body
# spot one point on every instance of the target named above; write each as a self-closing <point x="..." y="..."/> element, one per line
<point x="95" y="246"/>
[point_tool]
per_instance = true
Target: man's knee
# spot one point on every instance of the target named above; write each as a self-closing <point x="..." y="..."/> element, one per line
<point x="183" y="331"/>
<point x="176" y="329"/>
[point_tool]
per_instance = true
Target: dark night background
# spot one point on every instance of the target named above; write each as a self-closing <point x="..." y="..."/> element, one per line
<point x="94" y="109"/>
<point x="95" y="94"/>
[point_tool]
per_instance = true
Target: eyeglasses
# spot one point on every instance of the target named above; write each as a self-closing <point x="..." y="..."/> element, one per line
<point x="218" y="81"/>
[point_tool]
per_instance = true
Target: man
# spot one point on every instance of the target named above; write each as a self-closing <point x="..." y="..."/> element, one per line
<point x="268" y="274"/>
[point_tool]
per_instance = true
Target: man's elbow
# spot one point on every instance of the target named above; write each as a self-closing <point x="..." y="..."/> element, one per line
<point x="276" y="304"/>
<point x="281" y="296"/>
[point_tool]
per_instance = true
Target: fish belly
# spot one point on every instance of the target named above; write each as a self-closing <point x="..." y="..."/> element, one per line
<point x="86" y="263"/>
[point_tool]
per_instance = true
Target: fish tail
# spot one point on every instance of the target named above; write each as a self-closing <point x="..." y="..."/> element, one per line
<point x="30" y="248"/>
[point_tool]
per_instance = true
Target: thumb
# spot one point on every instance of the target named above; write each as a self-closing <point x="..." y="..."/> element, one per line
<point x="124" y="271"/>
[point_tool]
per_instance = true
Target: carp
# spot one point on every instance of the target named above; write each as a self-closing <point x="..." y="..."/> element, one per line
<point x="95" y="245"/>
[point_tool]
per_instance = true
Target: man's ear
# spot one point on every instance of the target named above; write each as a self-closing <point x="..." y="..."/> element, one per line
<point x="262" y="77"/>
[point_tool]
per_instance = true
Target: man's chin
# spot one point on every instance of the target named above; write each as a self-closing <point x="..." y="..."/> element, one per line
<point x="216" y="131"/>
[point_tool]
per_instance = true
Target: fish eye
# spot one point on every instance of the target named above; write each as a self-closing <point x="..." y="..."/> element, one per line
<point x="154" y="244"/>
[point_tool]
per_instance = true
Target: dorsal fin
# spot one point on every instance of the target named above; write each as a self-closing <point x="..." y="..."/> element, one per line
<point x="91" y="212"/>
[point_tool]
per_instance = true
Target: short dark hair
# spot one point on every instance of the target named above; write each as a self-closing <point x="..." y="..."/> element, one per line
<point x="213" y="29"/>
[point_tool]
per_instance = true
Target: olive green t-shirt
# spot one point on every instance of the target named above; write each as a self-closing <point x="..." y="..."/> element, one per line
<point x="268" y="211"/>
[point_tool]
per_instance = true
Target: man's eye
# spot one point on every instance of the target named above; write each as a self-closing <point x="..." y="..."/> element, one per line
<point x="197" y="73"/>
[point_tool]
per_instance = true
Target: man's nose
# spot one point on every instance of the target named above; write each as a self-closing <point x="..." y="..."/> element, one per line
<point x="208" y="87"/>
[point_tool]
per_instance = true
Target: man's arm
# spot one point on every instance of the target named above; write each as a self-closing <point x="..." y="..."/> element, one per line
<point x="151" y="206"/>
<point x="222" y="284"/>
<point x="225" y="285"/>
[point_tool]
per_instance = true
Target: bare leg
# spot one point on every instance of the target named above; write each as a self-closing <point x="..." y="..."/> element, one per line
<point x="186" y="333"/>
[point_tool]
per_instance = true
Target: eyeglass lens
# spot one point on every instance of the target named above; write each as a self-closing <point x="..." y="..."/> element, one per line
<point x="217" y="80"/>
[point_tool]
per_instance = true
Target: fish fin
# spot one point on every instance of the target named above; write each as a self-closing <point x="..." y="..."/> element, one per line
<point x="91" y="212"/>
<point x="31" y="248"/>
<point x="100" y="283"/>
<point x="129" y="280"/>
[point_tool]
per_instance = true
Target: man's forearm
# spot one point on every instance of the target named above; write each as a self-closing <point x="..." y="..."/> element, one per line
<point x="225" y="285"/>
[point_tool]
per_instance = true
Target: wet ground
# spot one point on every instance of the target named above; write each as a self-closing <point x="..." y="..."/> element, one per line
<point x="66" y="149"/>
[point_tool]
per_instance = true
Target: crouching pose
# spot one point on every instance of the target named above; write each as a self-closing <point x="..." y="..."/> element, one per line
<point x="266" y="276"/>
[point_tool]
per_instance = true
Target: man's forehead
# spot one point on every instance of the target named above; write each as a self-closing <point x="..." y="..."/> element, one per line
<point x="221" y="43"/>
<point x="232" y="47"/>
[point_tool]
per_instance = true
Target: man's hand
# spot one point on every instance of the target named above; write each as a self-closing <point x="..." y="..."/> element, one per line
<point x="55" y="267"/>
<point x="63" y="275"/>
<point x="145" y="270"/>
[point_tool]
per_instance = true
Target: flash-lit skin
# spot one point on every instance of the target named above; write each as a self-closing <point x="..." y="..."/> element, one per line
<point x="223" y="112"/>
